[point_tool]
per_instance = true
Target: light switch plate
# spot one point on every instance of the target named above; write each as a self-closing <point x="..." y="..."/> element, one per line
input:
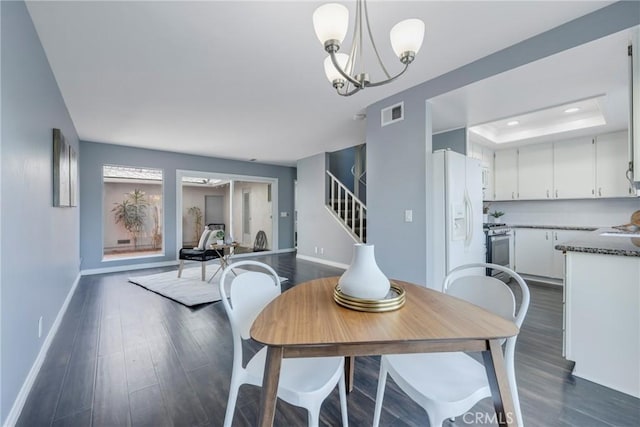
<point x="408" y="215"/>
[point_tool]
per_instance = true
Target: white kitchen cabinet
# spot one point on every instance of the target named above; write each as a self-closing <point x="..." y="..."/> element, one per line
<point x="506" y="174"/>
<point x="561" y="237"/>
<point x="612" y="162"/>
<point x="574" y="168"/>
<point x="535" y="172"/>
<point x="602" y="319"/>
<point x="485" y="155"/>
<point x="533" y="251"/>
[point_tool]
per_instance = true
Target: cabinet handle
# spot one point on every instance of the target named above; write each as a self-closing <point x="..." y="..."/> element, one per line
<point x="513" y="195"/>
<point x="547" y="194"/>
<point x="546" y="235"/>
<point x="600" y="192"/>
<point x="556" y="235"/>
<point x="556" y="194"/>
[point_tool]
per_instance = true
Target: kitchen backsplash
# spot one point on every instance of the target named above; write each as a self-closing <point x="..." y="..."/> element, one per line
<point x="596" y="212"/>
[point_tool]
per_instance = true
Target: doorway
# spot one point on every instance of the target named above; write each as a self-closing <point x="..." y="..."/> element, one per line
<point x="243" y="203"/>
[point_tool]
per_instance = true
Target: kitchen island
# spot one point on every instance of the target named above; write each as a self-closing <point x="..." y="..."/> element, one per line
<point x="602" y="309"/>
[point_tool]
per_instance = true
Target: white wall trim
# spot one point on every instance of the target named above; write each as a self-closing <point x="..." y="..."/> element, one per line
<point x="322" y="261"/>
<point x="21" y="398"/>
<point x="115" y="269"/>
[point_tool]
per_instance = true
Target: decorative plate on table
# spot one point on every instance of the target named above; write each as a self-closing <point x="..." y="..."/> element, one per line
<point x="393" y="301"/>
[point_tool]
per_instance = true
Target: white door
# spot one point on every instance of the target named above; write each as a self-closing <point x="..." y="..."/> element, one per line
<point x="456" y="205"/>
<point x="533" y="251"/>
<point x="535" y="172"/>
<point x="574" y="169"/>
<point x="612" y="162"/>
<point x="475" y="240"/>
<point x="505" y="179"/>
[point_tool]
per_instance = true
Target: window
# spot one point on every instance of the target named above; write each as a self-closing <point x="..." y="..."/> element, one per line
<point x="132" y="212"/>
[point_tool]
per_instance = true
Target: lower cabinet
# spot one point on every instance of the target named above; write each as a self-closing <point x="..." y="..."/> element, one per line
<point x="535" y="252"/>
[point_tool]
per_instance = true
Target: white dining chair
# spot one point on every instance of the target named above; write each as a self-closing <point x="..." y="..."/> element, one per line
<point x="447" y="385"/>
<point x="304" y="382"/>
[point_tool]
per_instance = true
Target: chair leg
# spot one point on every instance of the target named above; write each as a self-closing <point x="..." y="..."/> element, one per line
<point x="313" y="416"/>
<point x="204" y="270"/>
<point x="180" y="268"/>
<point x="342" y="390"/>
<point x="382" y="382"/>
<point x="231" y="403"/>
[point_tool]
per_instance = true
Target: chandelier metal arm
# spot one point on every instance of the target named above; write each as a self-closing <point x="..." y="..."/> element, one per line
<point x="373" y="43"/>
<point x="355" y="90"/>
<point x="406" y="66"/>
<point x="342" y="72"/>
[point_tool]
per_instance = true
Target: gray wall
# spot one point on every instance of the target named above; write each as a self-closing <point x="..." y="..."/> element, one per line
<point x="402" y="248"/>
<point x="397" y="159"/>
<point x="95" y="155"/>
<point x="316" y="226"/>
<point x="340" y="164"/>
<point x="39" y="256"/>
<point x="455" y="139"/>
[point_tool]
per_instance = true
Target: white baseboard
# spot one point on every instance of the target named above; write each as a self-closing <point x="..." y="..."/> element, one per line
<point x="21" y="398"/>
<point x="115" y="269"/>
<point x="323" y="261"/>
<point x="547" y="280"/>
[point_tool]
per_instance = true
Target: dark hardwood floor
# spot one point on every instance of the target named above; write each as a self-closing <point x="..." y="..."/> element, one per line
<point x="126" y="356"/>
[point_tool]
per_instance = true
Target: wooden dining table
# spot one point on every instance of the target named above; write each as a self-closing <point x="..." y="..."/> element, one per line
<point x="305" y="321"/>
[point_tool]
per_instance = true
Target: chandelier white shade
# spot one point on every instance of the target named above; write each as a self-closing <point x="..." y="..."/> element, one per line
<point x="344" y="71"/>
<point x="406" y="36"/>
<point x="332" y="72"/>
<point x="331" y="22"/>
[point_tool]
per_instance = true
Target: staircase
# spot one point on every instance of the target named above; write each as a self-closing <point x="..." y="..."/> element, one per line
<point x="347" y="209"/>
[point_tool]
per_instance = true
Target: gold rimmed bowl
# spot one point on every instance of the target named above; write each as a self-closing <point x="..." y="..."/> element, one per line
<point x="393" y="301"/>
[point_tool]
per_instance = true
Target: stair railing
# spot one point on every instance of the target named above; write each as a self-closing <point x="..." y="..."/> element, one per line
<point x="348" y="209"/>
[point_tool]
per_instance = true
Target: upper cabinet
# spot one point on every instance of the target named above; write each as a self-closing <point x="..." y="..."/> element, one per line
<point x="574" y="168"/>
<point x="505" y="165"/>
<point x="581" y="168"/>
<point x="535" y="172"/>
<point x="485" y="155"/>
<point x="612" y="162"/>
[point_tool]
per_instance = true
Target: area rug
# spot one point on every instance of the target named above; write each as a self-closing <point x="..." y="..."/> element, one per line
<point x="188" y="289"/>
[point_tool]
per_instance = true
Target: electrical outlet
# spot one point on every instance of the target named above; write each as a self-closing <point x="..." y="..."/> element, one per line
<point x="40" y="327"/>
<point x="321" y="251"/>
<point x="315" y="249"/>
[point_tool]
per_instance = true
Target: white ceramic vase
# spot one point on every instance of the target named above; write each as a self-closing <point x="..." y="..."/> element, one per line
<point x="364" y="279"/>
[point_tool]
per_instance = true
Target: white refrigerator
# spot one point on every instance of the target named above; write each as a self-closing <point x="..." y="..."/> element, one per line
<point x="458" y="237"/>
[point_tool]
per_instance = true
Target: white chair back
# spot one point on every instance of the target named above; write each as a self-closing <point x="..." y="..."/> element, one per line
<point x="249" y="293"/>
<point x="488" y="292"/>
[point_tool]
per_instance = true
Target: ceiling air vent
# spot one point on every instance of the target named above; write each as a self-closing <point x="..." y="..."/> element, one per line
<point x="392" y="114"/>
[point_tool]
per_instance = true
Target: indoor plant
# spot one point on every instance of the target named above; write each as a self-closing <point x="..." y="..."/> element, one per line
<point x="495" y="215"/>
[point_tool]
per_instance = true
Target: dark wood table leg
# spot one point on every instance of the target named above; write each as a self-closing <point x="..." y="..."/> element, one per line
<point x="499" y="384"/>
<point x="270" y="386"/>
<point x="349" y="370"/>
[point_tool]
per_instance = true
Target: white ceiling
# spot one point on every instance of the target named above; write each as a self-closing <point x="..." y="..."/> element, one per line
<point x="244" y="79"/>
<point x="593" y="69"/>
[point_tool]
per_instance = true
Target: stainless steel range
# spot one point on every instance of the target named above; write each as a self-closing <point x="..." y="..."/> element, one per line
<point x="499" y="248"/>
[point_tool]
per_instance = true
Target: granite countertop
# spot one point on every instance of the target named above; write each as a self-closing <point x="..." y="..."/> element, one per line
<point x="555" y="227"/>
<point x="594" y="243"/>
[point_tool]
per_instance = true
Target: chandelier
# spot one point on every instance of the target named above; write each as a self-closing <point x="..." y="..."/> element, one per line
<point x="344" y="71"/>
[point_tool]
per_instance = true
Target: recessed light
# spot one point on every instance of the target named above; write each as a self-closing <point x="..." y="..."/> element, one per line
<point x="572" y="110"/>
<point x="513" y="123"/>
